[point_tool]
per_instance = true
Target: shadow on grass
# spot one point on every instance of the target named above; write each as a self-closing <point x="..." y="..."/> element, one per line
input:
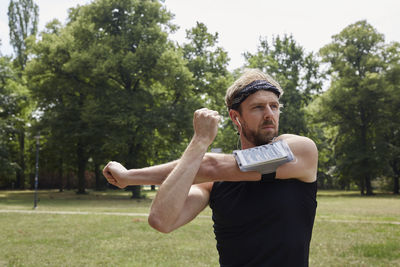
<point x="69" y="194"/>
<point x="354" y="194"/>
<point x="66" y="198"/>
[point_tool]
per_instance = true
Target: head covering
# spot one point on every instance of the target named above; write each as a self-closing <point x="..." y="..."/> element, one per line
<point x="251" y="88"/>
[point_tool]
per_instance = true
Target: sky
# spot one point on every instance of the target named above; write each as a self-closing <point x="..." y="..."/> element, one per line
<point x="241" y="23"/>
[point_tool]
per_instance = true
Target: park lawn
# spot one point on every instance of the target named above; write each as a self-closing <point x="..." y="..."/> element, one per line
<point x="102" y="240"/>
<point x="350" y="230"/>
<point x="354" y="230"/>
<point x="94" y="201"/>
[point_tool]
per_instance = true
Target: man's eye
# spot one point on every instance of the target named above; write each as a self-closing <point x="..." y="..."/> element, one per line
<point x="273" y="106"/>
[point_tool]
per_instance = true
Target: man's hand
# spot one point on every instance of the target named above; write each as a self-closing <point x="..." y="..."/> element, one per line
<point x="116" y="174"/>
<point x="205" y="124"/>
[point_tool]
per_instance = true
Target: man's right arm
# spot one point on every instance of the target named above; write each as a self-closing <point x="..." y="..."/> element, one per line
<point x="214" y="167"/>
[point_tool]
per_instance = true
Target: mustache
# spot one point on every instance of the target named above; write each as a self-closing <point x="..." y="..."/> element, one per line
<point x="267" y="123"/>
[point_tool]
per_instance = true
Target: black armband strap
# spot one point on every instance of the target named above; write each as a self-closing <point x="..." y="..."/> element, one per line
<point x="268" y="177"/>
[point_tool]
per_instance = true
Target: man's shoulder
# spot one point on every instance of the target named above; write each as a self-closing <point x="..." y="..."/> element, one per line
<point x="291" y="136"/>
<point x="306" y="143"/>
<point x="305" y="165"/>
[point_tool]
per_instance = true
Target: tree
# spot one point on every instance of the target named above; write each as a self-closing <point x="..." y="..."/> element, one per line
<point x="391" y="125"/>
<point x="353" y="104"/>
<point x="298" y="74"/>
<point x="324" y="135"/>
<point x="208" y="63"/>
<point x="114" y="82"/>
<point x="14" y="110"/>
<point x="6" y="127"/>
<point x="147" y="77"/>
<point x="22" y="20"/>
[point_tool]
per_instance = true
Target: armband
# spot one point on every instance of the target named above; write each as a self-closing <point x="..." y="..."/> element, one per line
<point x="268" y="177"/>
<point x="264" y="159"/>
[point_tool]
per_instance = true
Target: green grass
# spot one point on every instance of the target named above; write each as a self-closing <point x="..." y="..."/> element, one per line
<point x="354" y="230"/>
<point x="349" y="230"/>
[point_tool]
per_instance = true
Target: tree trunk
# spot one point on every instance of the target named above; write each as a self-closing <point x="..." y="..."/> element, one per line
<point x="396" y="185"/>
<point x="98" y="178"/>
<point x="365" y="144"/>
<point x="60" y="176"/>
<point x="362" y="186"/>
<point x="136" y="191"/>
<point x="21" y="156"/>
<point x="68" y="182"/>
<point x="81" y="169"/>
<point x="396" y="172"/>
<point x="368" y="186"/>
<point x="132" y="163"/>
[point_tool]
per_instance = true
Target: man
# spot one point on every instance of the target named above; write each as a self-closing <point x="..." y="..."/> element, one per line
<point x="259" y="220"/>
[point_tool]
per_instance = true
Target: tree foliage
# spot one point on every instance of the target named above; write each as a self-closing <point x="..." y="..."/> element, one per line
<point x="298" y="74"/>
<point x="390" y="126"/>
<point x="22" y="21"/>
<point x="116" y="84"/>
<point x="7" y="110"/>
<point x="15" y="108"/>
<point x="354" y="103"/>
<point x="23" y="18"/>
<point x="208" y="63"/>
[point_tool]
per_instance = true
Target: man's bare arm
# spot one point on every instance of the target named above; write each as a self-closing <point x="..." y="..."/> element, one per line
<point x="177" y="200"/>
<point x="174" y="198"/>
<point x="214" y="167"/>
<point x="222" y="167"/>
<point x="305" y="164"/>
<point x="116" y="174"/>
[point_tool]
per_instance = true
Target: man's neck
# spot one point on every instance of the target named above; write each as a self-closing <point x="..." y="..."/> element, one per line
<point x="247" y="144"/>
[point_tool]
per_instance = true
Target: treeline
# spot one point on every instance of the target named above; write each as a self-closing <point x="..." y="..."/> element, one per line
<point x="110" y="84"/>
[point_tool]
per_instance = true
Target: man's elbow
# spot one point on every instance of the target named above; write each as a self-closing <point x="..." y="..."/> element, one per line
<point x="207" y="170"/>
<point x="157" y="223"/>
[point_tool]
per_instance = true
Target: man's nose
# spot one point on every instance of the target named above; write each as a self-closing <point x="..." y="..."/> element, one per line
<point x="268" y="113"/>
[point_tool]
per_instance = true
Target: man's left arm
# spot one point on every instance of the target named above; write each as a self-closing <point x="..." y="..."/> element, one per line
<point x="304" y="166"/>
<point x="177" y="201"/>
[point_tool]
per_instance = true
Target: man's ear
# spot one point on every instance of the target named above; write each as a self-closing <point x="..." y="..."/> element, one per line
<point x="233" y="114"/>
<point x="237" y="120"/>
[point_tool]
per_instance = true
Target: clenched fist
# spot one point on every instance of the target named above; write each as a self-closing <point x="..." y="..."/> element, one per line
<point x="205" y="124"/>
<point x="116" y="174"/>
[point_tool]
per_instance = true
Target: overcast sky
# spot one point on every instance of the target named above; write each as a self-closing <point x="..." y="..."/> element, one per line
<point x="241" y="23"/>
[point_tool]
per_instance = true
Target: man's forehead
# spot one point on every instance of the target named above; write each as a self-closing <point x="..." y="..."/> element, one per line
<point x="262" y="96"/>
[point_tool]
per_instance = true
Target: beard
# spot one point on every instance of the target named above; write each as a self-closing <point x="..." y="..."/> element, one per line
<point x="257" y="137"/>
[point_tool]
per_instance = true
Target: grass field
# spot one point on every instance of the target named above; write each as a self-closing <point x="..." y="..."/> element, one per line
<point x="110" y="229"/>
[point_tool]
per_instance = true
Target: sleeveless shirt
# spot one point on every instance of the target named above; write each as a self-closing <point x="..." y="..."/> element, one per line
<point x="263" y="223"/>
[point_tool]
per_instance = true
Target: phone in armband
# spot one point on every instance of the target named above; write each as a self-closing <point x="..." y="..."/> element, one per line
<point x="264" y="159"/>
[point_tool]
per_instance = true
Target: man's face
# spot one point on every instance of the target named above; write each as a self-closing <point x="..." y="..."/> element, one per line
<point x="259" y="118"/>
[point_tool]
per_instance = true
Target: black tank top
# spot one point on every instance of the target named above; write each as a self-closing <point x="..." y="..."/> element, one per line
<point x="263" y="223"/>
